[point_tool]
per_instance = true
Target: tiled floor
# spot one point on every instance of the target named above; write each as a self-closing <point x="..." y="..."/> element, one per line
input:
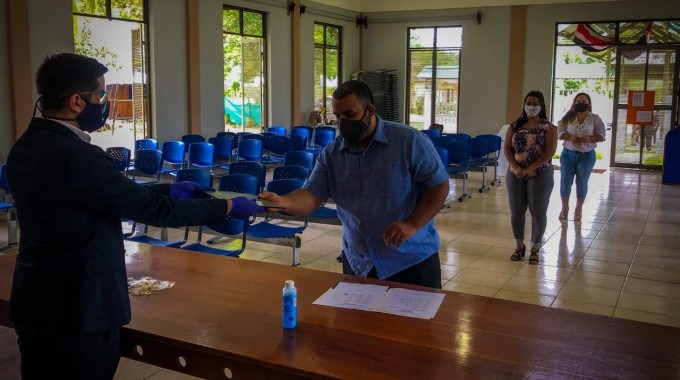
<point x="622" y="260"/>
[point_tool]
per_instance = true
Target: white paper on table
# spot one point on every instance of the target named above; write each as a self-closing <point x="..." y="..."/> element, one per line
<point x="411" y="303"/>
<point x="353" y="296"/>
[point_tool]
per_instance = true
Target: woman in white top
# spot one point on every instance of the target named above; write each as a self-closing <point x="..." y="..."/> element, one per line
<point x="581" y="130"/>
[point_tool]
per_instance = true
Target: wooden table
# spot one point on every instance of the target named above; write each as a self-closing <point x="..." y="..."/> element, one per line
<point x="222" y="319"/>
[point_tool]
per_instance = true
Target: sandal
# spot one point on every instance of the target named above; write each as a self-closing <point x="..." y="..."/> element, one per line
<point x="577" y="215"/>
<point x="563" y="215"/>
<point x="533" y="258"/>
<point x="518" y="254"/>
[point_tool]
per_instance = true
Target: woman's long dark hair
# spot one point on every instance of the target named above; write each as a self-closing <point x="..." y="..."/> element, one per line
<point x="571" y="114"/>
<point x="523" y="119"/>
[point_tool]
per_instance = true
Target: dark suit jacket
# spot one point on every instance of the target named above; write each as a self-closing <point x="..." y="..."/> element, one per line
<point x="70" y="273"/>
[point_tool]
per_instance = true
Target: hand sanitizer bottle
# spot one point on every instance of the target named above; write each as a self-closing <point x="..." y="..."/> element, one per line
<point x="289" y="305"/>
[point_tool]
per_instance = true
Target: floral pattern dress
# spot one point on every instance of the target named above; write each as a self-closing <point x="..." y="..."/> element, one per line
<point x="529" y="144"/>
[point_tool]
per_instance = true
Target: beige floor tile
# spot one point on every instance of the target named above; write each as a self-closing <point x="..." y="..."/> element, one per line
<point x="531" y="298"/>
<point x="501" y="265"/>
<point x="589" y="294"/>
<point x="672" y="263"/>
<point x="650" y="304"/>
<point x="482" y="277"/>
<point x="600" y="266"/>
<point x="448" y="271"/>
<point x="654" y="273"/>
<point x="533" y="286"/>
<point x="463" y="287"/>
<point x="642" y="316"/>
<point x="478" y="239"/>
<point x="583" y="307"/>
<point x="654" y="250"/>
<point x="134" y="370"/>
<point x="609" y="245"/>
<point x="605" y="255"/>
<point x="545" y="272"/>
<point x="171" y="375"/>
<point x="467" y="248"/>
<point x="457" y="259"/>
<point x="600" y="280"/>
<point x="656" y="288"/>
<point x="324" y="265"/>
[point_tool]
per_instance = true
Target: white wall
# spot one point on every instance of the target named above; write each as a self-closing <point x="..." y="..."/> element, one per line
<point x="484" y="59"/>
<point x="5" y="103"/>
<point x="212" y="73"/>
<point x="167" y="41"/>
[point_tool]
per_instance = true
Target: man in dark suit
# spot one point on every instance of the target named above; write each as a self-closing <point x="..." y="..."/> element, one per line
<point x="69" y="295"/>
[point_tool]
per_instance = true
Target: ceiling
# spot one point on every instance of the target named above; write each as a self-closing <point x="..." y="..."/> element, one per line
<point x="409" y="5"/>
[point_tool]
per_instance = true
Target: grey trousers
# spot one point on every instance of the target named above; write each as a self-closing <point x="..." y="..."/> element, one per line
<point x="533" y="193"/>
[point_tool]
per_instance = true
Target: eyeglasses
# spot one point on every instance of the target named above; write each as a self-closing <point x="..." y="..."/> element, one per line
<point x="101" y="94"/>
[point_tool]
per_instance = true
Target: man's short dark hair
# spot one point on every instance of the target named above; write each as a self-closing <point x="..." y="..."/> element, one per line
<point x="64" y="74"/>
<point x="356" y="88"/>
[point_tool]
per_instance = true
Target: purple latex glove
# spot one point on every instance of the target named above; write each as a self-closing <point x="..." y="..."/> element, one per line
<point x="186" y="189"/>
<point x="244" y="208"/>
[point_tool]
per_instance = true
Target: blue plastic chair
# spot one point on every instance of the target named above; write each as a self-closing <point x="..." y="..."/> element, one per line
<point x="173" y="154"/>
<point x="146" y="144"/>
<point x="494" y="145"/>
<point x="222" y="151"/>
<point x="253" y="168"/>
<point x="278" y="147"/>
<point x="303" y="130"/>
<point x="121" y="158"/>
<point x="201" y="155"/>
<point x="149" y="163"/>
<point x="190" y="139"/>
<point x="322" y="137"/>
<point x="432" y="133"/>
<point x="478" y="159"/>
<point x="266" y="231"/>
<point x="231" y="227"/>
<point x="458" y="136"/>
<point x="298" y="142"/>
<point x="299" y="157"/>
<point x="199" y="176"/>
<point x="291" y="172"/>
<point x="250" y="150"/>
<point x="458" y="167"/>
<point x="7" y="206"/>
<point x="279" y="130"/>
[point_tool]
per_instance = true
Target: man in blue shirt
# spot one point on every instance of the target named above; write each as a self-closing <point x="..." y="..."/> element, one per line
<point x="388" y="183"/>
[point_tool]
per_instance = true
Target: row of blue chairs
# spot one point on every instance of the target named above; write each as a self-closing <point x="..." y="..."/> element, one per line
<point x="265" y="231"/>
<point x="473" y="154"/>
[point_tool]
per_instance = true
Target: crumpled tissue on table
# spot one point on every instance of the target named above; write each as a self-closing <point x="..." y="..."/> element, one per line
<point x="145" y="285"/>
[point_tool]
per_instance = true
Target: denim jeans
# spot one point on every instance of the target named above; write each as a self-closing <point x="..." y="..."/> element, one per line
<point x="579" y="165"/>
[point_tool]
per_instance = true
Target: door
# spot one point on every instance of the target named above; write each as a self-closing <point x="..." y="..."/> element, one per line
<point x="649" y="69"/>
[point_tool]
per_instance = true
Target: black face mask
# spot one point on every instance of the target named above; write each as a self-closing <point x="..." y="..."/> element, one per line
<point x="93" y="116"/>
<point x="581" y="107"/>
<point x="352" y="130"/>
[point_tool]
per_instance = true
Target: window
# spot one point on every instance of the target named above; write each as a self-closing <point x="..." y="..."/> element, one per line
<point x="114" y="33"/>
<point x="244" y="75"/>
<point x="327" y="58"/>
<point x="433" y="72"/>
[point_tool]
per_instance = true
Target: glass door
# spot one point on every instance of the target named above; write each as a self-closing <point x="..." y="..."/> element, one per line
<point x="650" y="69"/>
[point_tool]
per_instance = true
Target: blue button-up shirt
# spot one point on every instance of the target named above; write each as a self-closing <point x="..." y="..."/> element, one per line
<point x="377" y="187"/>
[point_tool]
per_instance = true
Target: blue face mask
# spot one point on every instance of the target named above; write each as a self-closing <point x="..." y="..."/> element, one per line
<point x="93" y="116"/>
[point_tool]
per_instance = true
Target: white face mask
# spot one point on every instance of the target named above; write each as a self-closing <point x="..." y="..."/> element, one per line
<point x="532" y="110"/>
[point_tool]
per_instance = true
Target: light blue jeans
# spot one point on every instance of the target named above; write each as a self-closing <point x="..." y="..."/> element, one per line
<point x="579" y="165"/>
